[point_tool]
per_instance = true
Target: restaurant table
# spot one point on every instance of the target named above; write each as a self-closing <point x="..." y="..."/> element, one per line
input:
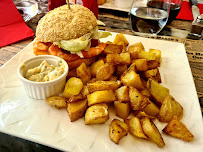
<point x="115" y="21"/>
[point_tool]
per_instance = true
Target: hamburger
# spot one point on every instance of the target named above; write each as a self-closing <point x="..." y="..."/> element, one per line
<point x="71" y="34"/>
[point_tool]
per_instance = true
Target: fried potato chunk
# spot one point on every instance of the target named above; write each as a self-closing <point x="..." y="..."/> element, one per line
<point x="122" y="109"/>
<point x="83" y="72"/>
<point x="95" y="66"/>
<point x="169" y="109"/>
<point x="146" y="55"/>
<point x="105" y="72"/>
<point x="97" y="114"/>
<point x="151" y="109"/>
<point x="141" y="64"/>
<point x="113" y="48"/>
<point x="122" y="94"/>
<point x="117" y="130"/>
<point x="105" y="96"/>
<point x="137" y="100"/>
<point x="152" y="132"/>
<point x="157" y="54"/>
<point x="103" y="85"/>
<point x="73" y="87"/>
<point x="135" y="49"/>
<point x="178" y="130"/>
<point x="135" y="127"/>
<point x="56" y="102"/>
<point x="158" y="92"/>
<point x="77" y="109"/>
<point x="130" y="78"/>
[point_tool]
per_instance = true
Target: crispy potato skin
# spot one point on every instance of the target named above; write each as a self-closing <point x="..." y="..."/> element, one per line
<point x="56" y="102"/>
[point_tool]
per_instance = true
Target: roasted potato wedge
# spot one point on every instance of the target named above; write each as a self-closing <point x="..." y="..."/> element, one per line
<point x="157" y="54"/>
<point x="105" y="96"/>
<point x="105" y="72"/>
<point x="83" y="72"/>
<point x="84" y="90"/>
<point x="158" y="92"/>
<point x="113" y="48"/>
<point x="178" y="130"/>
<point x="95" y="66"/>
<point x="76" y="98"/>
<point x="56" y="102"/>
<point x="135" y="127"/>
<point x="120" y="38"/>
<point x="153" y="64"/>
<point x="122" y="94"/>
<point x="103" y="85"/>
<point x="141" y="64"/>
<point x="137" y="100"/>
<point x="77" y="109"/>
<point x="120" y="69"/>
<point x="151" y="109"/>
<point x="135" y="49"/>
<point x="117" y="130"/>
<point x="142" y="114"/>
<point x="97" y="114"/>
<point x="122" y="109"/>
<point x="146" y="55"/>
<point x="115" y="59"/>
<point x="169" y="109"/>
<point x="113" y="78"/>
<point x="130" y="78"/>
<point x="146" y="93"/>
<point x="133" y="67"/>
<point x="153" y="74"/>
<point x="152" y="132"/>
<point x="73" y="87"/>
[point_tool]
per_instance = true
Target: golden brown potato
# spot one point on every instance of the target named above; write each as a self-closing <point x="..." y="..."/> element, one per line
<point x="153" y="64"/>
<point x="133" y="67"/>
<point x="76" y="63"/>
<point x="137" y="100"/>
<point x="117" y="130"/>
<point x="122" y="94"/>
<point x="153" y="74"/>
<point x="151" y="109"/>
<point x="135" y="127"/>
<point x="76" y="98"/>
<point x="113" y="78"/>
<point x="169" y="109"/>
<point x="178" y="130"/>
<point x="105" y="96"/>
<point x="83" y="72"/>
<point x="130" y="78"/>
<point x="152" y="132"/>
<point x="95" y="66"/>
<point x="77" y="109"/>
<point x="73" y="87"/>
<point x="135" y="49"/>
<point x="120" y="38"/>
<point x="56" y="102"/>
<point x="157" y="54"/>
<point x="97" y="114"/>
<point x="142" y="114"/>
<point x="122" y="109"/>
<point x="113" y="48"/>
<point x="105" y="72"/>
<point x="146" y="55"/>
<point x="84" y="90"/>
<point x="141" y="64"/>
<point x="120" y="69"/>
<point x="158" y="92"/>
<point x="103" y="85"/>
<point x="146" y="93"/>
<point x="115" y="59"/>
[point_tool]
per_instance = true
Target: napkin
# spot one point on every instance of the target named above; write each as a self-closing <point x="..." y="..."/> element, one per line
<point x="185" y="12"/>
<point x="12" y="26"/>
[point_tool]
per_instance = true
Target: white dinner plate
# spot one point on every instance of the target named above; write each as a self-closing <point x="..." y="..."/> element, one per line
<point x="36" y="121"/>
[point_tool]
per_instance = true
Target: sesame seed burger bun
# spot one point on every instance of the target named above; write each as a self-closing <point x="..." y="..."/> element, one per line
<point x="63" y="23"/>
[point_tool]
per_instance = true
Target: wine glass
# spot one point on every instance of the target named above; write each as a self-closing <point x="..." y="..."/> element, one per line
<point x="148" y="17"/>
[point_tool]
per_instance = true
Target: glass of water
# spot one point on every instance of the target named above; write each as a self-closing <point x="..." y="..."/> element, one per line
<point x="148" y="17"/>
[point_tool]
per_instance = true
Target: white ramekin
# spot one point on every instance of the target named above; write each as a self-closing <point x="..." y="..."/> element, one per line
<point x="42" y="90"/>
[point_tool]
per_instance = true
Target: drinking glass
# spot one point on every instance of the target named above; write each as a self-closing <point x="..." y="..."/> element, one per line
<point x="174" y="10"/>
<point x="148" y="17"/>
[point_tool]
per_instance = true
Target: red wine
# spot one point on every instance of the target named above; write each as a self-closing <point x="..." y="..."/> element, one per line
<point x="147" y="20"/>
<point x="174" y="9"/>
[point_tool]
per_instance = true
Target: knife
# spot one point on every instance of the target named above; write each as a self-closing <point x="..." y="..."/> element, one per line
<point x="195" y="9"/>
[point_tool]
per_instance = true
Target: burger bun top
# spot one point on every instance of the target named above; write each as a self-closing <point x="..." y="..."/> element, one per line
<point x="63" y="23"/>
